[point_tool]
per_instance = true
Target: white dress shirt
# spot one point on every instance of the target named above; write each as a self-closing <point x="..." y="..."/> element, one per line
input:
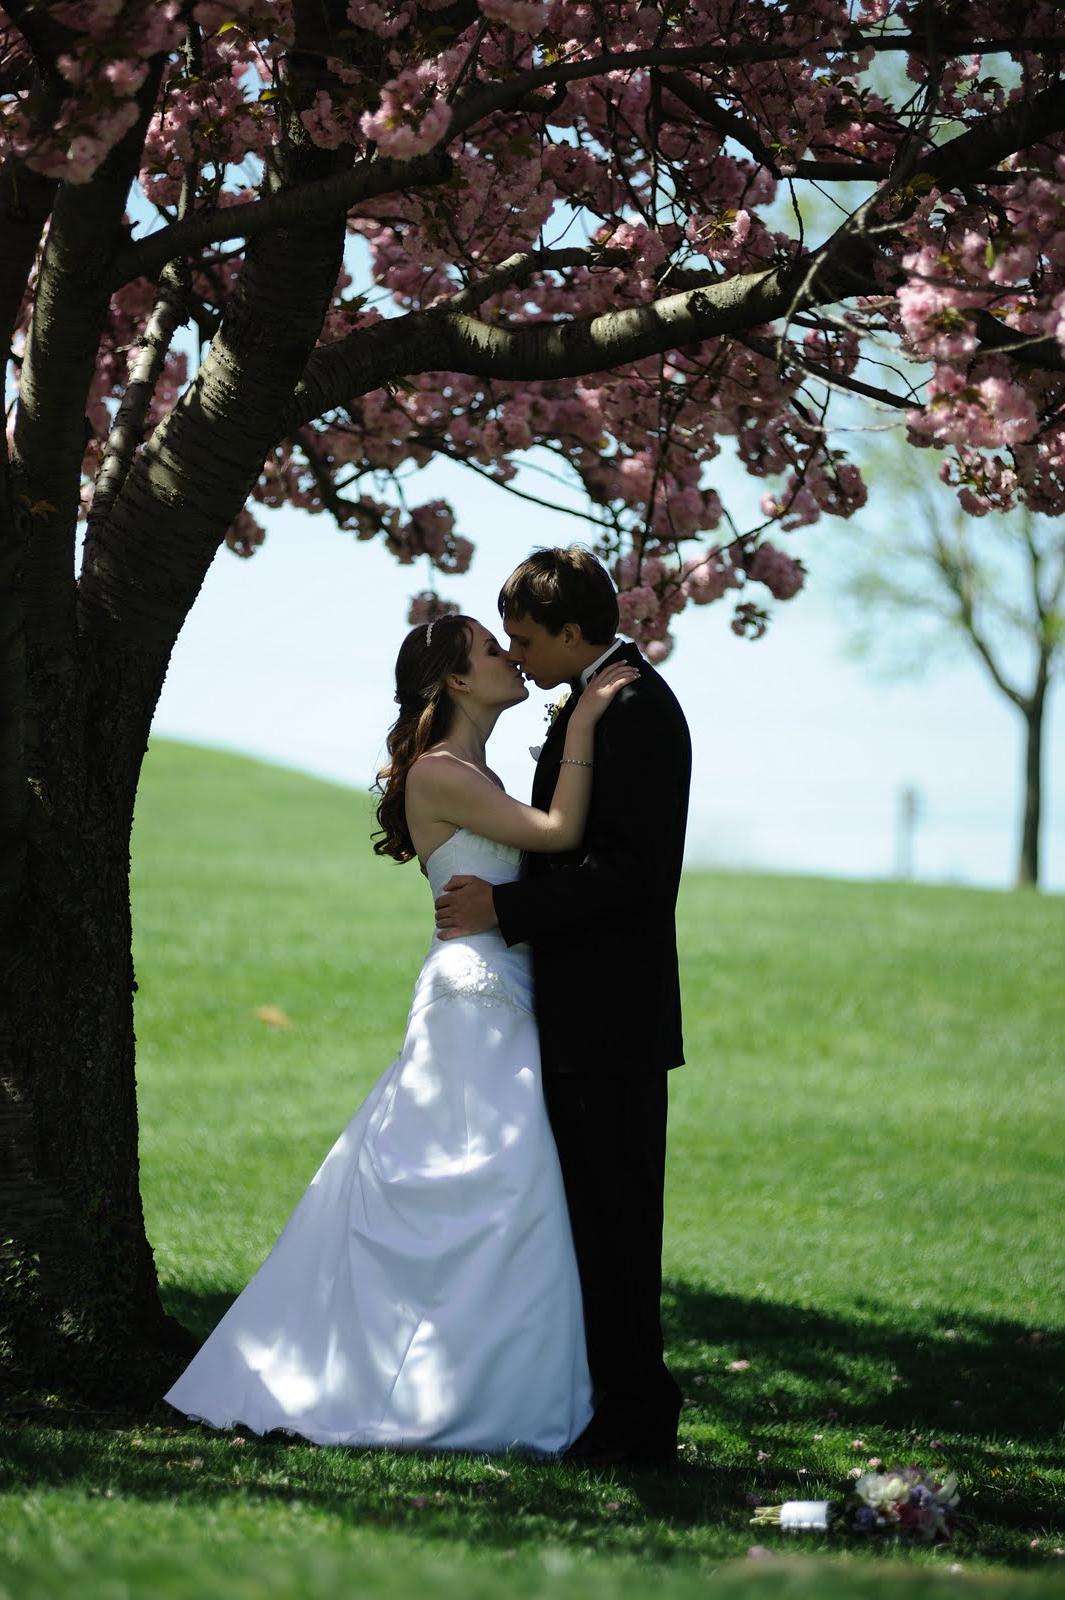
<point x="598" y="662"/>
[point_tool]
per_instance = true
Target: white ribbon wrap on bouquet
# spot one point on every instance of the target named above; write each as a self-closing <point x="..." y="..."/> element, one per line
<point x="799" y="1514"/>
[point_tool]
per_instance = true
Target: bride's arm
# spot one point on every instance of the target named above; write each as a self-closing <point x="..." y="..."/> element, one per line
<point x="450" y="790"/>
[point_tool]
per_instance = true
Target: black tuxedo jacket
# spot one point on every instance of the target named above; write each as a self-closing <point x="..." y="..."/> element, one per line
<point x="601" y="918"/>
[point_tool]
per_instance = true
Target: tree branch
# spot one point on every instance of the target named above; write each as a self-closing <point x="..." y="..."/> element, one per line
<point x="442" y="340"/>
<point x="144" y="565"/>
<point x="371" y="179"/>
<point x="838" y="380"/>
<point x="445" y="340"/>
<point x="127" y="430"/>
<point x="169" y="312"/>
<point x="45" y="37"/>
<point x="520" y="267"/>
<point x="954" y="568"/>
<point x="1029" y="350"/>
<point x="302" y="203"/>
<point x="703" y="104"/>
<point x="49" y="433"/>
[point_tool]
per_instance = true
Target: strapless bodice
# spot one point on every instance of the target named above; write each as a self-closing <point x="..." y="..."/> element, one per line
<point x="475" y="857"/>
<point x="477" y="966"/>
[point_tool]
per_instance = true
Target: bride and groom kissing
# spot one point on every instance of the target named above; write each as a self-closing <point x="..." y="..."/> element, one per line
<point x="476" y="1264"/>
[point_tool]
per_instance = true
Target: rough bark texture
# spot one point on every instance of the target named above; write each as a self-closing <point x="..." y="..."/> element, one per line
<point x="80" y="1307"/>
<point x="79" y="1302"/>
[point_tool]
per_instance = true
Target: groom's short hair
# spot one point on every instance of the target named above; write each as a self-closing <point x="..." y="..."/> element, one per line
<point x="554" y="587"/>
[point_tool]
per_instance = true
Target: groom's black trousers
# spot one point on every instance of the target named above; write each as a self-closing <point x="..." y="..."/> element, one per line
<point x="610" y="1130"/>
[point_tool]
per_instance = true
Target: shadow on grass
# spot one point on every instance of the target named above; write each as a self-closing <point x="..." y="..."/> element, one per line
<point x="899" y="1370"/>
<point x="806" y="1367"/>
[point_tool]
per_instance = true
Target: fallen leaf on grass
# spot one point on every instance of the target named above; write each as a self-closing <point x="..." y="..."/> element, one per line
<point x="274" y="1016"/>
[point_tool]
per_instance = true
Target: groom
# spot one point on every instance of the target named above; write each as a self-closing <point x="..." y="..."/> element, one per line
<point x="600" y="920"/>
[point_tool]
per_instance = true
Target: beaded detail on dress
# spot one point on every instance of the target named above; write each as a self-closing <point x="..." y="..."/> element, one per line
<point x="480" y="966"/>
<point x="460" y="973"/>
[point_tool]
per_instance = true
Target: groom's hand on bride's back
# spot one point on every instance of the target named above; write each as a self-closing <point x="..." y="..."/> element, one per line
<point x="465" y="906"/>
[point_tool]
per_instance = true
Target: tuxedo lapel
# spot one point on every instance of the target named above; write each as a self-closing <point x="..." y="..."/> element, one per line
<point x="550" y="757"/>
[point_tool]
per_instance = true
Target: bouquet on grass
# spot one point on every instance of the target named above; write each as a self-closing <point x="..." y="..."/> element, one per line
<point x="904" y="1500"/>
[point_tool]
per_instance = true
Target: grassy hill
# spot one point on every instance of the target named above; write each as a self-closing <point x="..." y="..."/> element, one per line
<point x="863" y="1203"/>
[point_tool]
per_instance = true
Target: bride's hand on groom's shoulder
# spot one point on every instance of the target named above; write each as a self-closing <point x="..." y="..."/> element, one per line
<point x="602" y="690"/>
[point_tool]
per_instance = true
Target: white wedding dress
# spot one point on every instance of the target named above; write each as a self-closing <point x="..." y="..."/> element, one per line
<point x="424" y="1292"/>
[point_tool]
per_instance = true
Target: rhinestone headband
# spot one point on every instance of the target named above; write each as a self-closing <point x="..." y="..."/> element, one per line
<point x="429" y="633"/>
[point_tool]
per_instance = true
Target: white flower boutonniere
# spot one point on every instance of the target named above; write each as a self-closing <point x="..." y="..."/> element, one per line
<point x="553" y="710"/>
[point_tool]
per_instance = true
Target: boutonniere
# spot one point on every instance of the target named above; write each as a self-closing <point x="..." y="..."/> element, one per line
<point x="552" y="711"/>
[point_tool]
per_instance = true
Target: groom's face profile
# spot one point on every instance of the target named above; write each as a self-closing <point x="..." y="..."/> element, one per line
<point x="547" y="658"/>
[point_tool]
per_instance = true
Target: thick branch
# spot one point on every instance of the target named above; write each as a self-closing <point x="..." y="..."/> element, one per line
<point x="49" y="433"/>
<point x="442" y="340"/>
<point x="382" y="176"/>
<point x="1028" y="350"/>
<point x="499" y="96"/>
<point x="144" y="566"/>
<point x="300" y="204"/>
<point x="145" y="368"/>
<point x="45" y="37"/>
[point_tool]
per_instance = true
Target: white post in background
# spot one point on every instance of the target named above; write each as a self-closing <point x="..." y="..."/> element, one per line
<point x="909" y="810"/>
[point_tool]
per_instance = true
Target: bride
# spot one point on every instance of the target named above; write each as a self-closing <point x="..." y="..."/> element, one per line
<point x="424" y="1292"/>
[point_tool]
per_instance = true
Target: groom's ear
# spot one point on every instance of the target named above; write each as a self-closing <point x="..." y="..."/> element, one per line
<point x="572" y="633"/>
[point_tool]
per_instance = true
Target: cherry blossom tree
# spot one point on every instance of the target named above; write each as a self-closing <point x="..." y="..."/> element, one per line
<point x="257" y="252"/>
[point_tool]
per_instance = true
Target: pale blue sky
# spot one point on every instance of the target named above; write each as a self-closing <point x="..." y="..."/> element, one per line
<point x="800" y="754"/>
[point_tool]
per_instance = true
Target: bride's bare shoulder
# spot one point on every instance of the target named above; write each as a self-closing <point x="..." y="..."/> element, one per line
<point x="439" y="771"/>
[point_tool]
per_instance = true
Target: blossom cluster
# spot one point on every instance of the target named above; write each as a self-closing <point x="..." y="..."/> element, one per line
<point x="661" y="194"/>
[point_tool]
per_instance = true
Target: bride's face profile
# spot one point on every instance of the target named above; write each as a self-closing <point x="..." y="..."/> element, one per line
<point x="492" y="680"/>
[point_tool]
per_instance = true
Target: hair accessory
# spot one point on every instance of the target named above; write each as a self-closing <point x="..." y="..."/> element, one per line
<point x="429" y="633"/>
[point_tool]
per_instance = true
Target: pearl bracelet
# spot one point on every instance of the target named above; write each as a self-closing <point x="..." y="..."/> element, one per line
<point x="571" y="761"/>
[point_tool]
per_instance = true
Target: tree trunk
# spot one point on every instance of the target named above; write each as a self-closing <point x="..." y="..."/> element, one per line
<point x="1028" y="864"/>
<point x="79" y="1303"/>
<point x="80" y="1313"/>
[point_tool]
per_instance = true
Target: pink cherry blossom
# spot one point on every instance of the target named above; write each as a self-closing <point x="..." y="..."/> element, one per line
<point x="619" y="163"/>
<point x="781" y="574"/>
<point x="427" y="607"/>
<point x="524" y="16"/>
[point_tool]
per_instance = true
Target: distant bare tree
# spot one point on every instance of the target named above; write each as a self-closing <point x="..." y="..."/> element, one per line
<point x="995" y="585"/>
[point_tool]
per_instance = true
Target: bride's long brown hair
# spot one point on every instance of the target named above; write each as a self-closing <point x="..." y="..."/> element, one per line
<point x="425" y="712"/>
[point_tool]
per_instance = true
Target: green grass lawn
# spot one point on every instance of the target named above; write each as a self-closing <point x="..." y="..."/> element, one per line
<point x="864" y="1204"/>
